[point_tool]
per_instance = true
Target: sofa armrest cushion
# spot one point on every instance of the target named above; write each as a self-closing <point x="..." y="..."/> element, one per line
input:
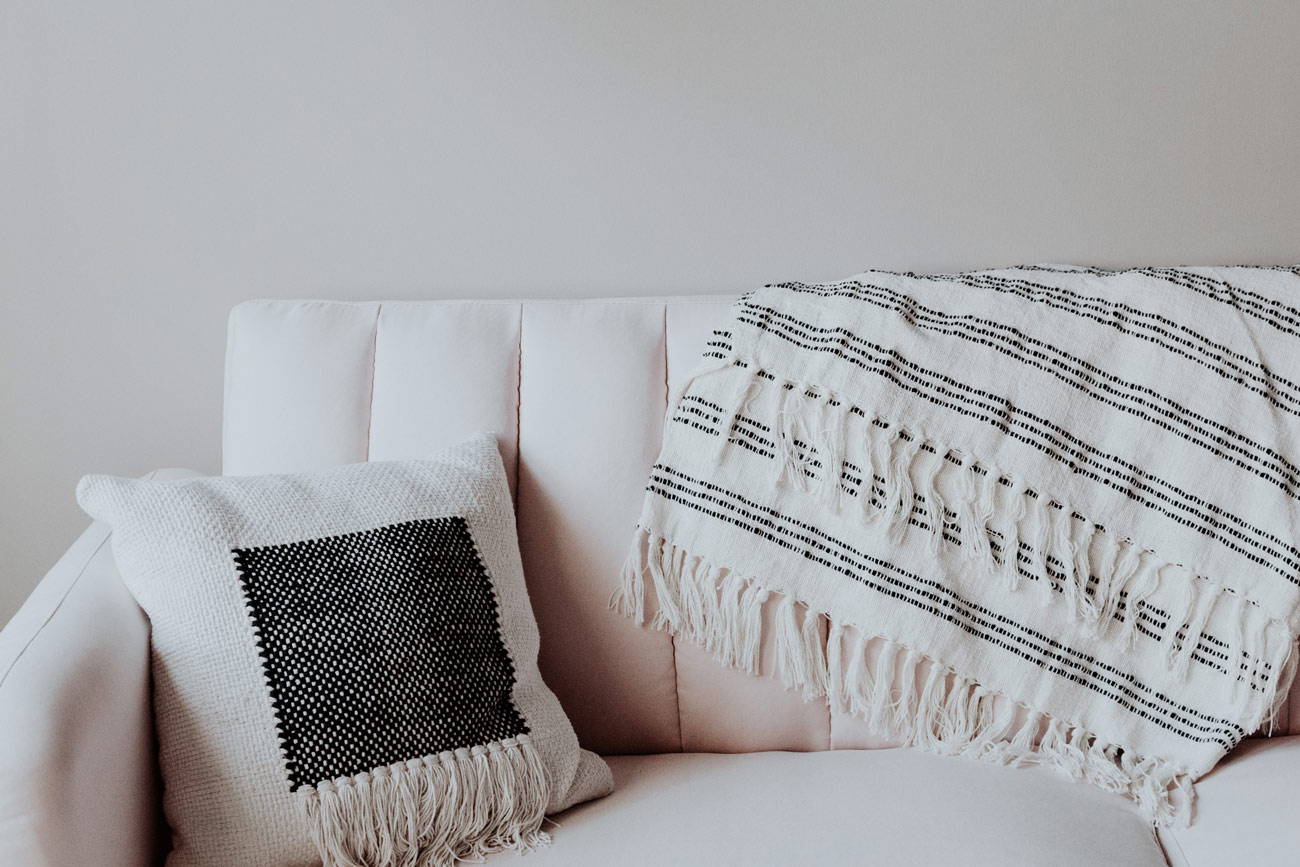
<point x="78" y="754"/>
<point x="1247" y="809"/>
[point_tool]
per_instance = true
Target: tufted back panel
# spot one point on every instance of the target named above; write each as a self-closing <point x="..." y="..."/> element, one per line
<point x="576" y="391"/>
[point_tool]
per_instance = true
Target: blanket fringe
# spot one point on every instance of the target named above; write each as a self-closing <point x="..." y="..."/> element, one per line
<point x="908" y="482"/>
<point x="900" y="692"/>
<point x="431" y="811"/>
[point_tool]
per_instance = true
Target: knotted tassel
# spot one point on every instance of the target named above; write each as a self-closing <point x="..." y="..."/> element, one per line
<point x="903" y="707"/>
<point x="836" y="693"/>
<point x="1039" y="517"/>
<point x="783" y="435"/>
<point x="1009" y="532"/>
<point x="1207" y="597"/>
<point x="1114" y="566"/>
<point x="1234" y="615"/>
<point x="928" y="707"/>
<point x="664" y="579"/>
<point x="1026" y="739"/>
<point x="882" y="457"/>
<point x="791" y="664"/>
<point x="880" y="703"/>
<point x="629" y="597"/>
<point x="727" y="643"/>
<point x="1082" y="536"/>
<point x="830" y="448"/>
<point x="690" y="585"/>
<point x="800" y="661"/>
<point x="904" y="497"/>
<point x="1255" y="639"/>
<point x="858" y="681"/>
<point x="867" y="459"/>
<point x="814" y="653"/>
<point x="1142" y="582"/>
<point x="978" y="493"/>
<point x="800" y="431"/>
<point x="1062" y="547"/>
<point x="997" y="720"/>
<point x="750" y="624"/>
<point x="1180" y="613"/>
<point x="934" y="506"/>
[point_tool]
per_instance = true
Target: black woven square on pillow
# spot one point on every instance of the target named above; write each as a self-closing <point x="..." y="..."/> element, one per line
<point x="379" y="646"/>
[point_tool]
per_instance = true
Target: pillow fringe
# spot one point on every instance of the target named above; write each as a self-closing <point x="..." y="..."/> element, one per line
<point x="431" y="811"/>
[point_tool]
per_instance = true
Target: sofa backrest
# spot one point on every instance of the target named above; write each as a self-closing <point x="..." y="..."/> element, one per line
<point x="576" y="391"/>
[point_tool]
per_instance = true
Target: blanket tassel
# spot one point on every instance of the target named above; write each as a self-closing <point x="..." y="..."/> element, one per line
<point x="923" y="702"/>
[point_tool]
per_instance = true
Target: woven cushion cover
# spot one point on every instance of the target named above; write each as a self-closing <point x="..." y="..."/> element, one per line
<point x="330" y="644"/>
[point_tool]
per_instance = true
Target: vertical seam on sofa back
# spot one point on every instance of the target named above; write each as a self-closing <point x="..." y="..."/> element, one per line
<point x="519" y="380"/>
<point x="374" y="364"/>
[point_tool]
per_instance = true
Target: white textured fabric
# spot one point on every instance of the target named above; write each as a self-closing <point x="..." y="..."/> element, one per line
<point x="235" y="721"/>
<point x="1040" y="514"/>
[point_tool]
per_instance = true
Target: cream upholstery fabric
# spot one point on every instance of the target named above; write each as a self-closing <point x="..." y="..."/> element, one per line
<point x="77" y="759"/>
<point x="865" y="808"/>
<point x="1247" y="809"/>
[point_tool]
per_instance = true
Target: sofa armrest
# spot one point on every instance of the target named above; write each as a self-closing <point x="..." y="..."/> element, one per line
<point x="1247" y="809"/>
<point x="77" y="758"/>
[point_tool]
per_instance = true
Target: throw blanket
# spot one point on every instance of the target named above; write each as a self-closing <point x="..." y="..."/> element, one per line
<point x="1036" y="515"/>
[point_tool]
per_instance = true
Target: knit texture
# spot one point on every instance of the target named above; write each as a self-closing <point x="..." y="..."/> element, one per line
<point x="344" y="663"/>
<point x="1036" y="515"/>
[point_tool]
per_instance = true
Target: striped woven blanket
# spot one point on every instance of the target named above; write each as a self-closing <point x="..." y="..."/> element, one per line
<point x="1037" y="515"/>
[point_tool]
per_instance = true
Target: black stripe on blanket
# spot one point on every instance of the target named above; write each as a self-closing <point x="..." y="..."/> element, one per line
<point x="1133" y="398"/>
<point x="1082" y="458"/>
<point x="749" y="434"/>
<point x="933" y="597"/>
<point x="1173" y="337"/>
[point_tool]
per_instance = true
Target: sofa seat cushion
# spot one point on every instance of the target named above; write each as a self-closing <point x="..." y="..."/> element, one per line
<point x="858" y="807"/>
<point x="1247" y="809"/>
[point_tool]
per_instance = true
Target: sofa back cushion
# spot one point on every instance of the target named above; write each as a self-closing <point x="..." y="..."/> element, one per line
<point x="576" y="391"/>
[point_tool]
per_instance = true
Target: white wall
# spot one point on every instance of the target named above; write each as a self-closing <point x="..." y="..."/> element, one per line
<point x="161" y="161"/>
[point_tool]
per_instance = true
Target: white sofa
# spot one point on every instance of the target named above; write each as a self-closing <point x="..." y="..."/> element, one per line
<point x="712" y="766"/>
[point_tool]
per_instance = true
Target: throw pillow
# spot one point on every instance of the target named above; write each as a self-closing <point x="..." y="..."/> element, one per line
<point x="345" y="663"/>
